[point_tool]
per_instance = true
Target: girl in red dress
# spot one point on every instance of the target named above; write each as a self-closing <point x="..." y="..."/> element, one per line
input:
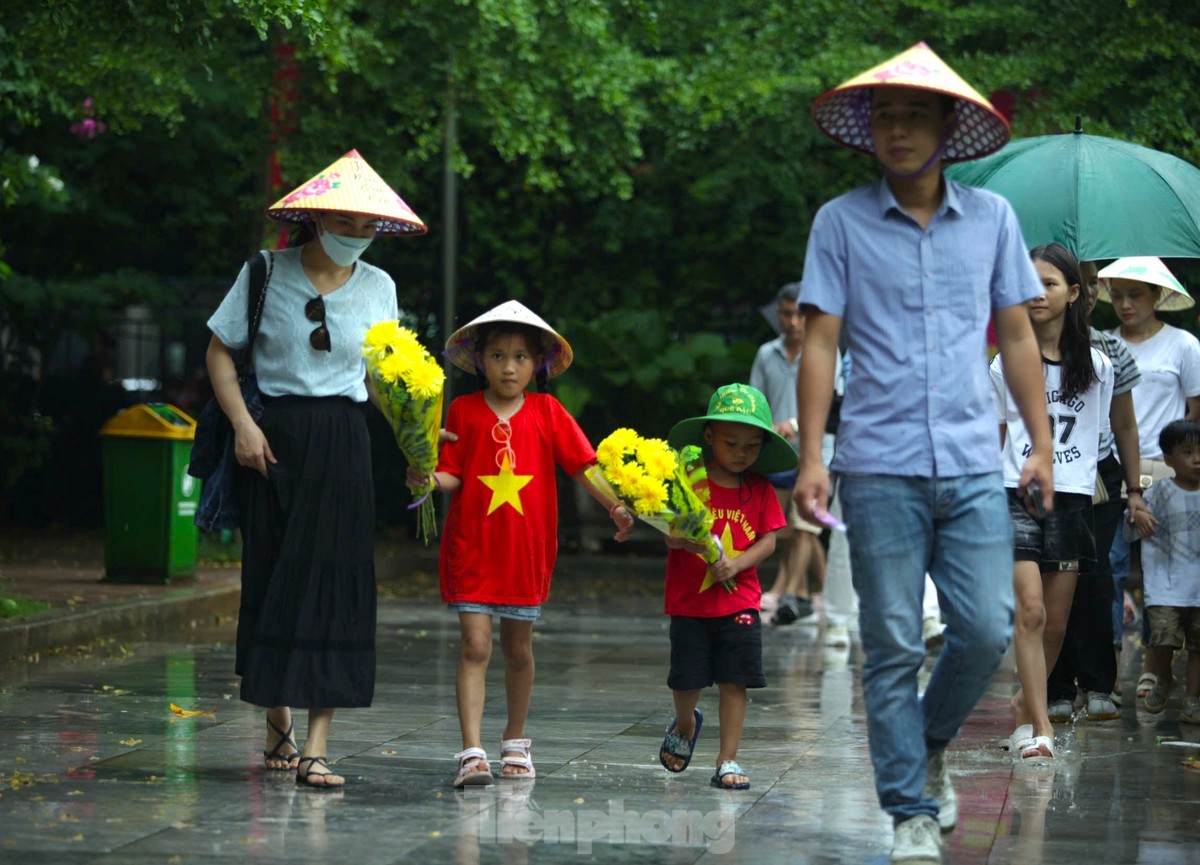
<point x="501" y="536"/>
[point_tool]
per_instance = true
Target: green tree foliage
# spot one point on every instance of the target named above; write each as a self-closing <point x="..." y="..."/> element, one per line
<point x="641" y="172"/>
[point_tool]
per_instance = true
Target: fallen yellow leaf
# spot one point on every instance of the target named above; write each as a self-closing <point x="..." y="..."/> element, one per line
<point x="131" y="742"/>
<point x="188" y="713"/>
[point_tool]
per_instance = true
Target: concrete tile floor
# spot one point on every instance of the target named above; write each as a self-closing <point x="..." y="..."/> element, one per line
<point x="95" y="768"/>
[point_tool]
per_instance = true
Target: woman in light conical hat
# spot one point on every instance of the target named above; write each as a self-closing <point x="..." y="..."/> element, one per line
<point x="1168" y="359"/>
<point x="306" y="629"/>
<point x="911" y="267"/>
<point x="1170" y="295"/>
<point x="1139" y="287"/>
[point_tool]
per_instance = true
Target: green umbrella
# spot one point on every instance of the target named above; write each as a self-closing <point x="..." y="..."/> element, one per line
<point x="1101" y="197"/>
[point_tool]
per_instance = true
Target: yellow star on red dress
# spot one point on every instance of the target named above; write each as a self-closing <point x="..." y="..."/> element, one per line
<point x="730" y="553"/>
<point x="506" y="487"/>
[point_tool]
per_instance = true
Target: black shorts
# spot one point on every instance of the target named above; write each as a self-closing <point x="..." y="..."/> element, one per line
<point x="1065" y="540"/>
<point x="726" y="650"/>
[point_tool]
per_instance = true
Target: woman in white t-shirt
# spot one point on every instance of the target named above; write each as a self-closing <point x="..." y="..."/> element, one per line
<point x="1168" y="359"/>
<point x="1047" y="548"/>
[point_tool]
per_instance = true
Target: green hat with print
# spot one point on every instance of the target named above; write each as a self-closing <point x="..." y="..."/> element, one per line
<point x="739" y="403"/>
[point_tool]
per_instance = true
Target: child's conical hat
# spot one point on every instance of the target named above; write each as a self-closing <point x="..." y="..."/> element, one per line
<point x="350" y="186"/>
<point x="462" y="344"/>
<point x="1149" y="269"/>
<point x="844" y="113"/>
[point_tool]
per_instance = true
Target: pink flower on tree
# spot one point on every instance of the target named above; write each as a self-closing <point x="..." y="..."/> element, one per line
<point x="89" y="127"/>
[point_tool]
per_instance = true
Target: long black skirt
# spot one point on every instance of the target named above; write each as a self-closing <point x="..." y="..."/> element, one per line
<point x="306" y="627"/>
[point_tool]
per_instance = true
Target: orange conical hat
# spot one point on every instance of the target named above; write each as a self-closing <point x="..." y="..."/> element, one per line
<point x="843" y="113"/>
<point x="350" y="186"/>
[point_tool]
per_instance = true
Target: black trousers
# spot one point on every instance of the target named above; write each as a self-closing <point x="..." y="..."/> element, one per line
<point x="1087" y="657"/>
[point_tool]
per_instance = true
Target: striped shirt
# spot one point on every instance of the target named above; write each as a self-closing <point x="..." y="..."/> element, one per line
<point x="1125" y="376"/>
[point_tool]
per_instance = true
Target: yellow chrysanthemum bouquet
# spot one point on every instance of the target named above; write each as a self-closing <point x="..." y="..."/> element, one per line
<point x="659" y="485"/>
<point x="410" y="384"/>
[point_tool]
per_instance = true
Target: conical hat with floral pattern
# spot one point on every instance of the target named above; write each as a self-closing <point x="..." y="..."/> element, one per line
<point x="844" y="113"/>
<point x="349" y="186"/>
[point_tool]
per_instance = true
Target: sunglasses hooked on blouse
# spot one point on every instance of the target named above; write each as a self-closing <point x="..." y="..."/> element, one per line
<point x="314" y="311"/>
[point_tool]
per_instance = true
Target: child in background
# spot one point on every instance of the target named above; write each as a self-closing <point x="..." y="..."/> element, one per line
<point x="1170" y="533"/>
<point x="716" y="632"/>
<point x="501" y="536"/>
<point x="800" y="554"/>
<point x="1049" y="547"/>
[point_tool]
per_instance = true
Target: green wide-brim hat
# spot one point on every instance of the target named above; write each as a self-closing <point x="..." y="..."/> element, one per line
<point x="739" y="403"/>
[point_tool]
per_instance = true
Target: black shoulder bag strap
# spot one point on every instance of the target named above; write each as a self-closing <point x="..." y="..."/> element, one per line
<point x="262" y="265"/>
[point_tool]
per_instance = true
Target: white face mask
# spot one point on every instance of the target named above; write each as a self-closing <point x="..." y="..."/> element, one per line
<point x="342" y="249"/>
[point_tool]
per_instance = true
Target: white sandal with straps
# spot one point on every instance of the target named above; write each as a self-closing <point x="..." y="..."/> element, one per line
<point x="522" y="761"/>
<point x="469" y="772"/>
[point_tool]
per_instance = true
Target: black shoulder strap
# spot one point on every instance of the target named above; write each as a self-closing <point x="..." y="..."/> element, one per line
<point x="261" y="265"/>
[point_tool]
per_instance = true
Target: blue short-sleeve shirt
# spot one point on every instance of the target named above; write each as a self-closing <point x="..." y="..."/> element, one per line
<point x="284" y="361"/>
<point x="915" y="305"/>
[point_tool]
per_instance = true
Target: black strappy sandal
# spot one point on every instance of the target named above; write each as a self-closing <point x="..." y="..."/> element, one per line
<point x="277" y="754"/>
<point x="305" y="778"/>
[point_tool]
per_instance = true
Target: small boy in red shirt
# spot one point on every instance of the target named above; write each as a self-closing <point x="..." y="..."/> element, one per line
<point x="716" y="633"/>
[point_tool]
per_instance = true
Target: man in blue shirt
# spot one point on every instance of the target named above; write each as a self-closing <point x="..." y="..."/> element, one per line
<point x="911" y="267"/>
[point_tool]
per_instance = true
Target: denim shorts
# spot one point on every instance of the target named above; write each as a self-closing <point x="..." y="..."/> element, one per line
<point x="1060" y="542"/>
<point x="504" y="611"/>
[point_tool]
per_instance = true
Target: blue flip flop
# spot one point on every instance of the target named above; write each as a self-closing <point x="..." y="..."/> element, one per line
<point x="674" y="744"/>
<point x="729" y="767"/>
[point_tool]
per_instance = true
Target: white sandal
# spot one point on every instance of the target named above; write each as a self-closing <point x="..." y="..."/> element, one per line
<point x="522" y="761"/>
<point x="1036" y="747"/>
<point x="1013" y="741"/>
<point x="1145" y="685"/>
<point x="469" y="772"/>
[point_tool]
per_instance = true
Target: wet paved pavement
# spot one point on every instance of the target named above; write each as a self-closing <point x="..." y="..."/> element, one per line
<point x="96" y="768"/>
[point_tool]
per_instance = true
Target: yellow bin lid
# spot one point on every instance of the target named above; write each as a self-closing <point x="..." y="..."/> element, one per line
<point x="155" y="420"/>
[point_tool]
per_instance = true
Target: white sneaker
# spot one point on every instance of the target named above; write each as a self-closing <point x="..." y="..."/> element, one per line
<point x="938" y="786"/>
<point x="1101" y="707"/>
<point x="917" y="842"/>
<point x="931" y="633"/>
<point x="836" y="636"/>
<point x="1061" y="711"/>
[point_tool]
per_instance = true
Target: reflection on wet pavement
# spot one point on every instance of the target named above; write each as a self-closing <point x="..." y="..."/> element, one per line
<point x="95" y="766"/>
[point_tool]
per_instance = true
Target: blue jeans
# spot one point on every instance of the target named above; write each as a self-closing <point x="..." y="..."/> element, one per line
<point x="1118" y="558"/>
<point x="958" y="530"/>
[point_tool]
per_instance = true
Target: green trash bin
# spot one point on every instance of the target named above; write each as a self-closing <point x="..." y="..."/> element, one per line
<point x="149" y="498"/>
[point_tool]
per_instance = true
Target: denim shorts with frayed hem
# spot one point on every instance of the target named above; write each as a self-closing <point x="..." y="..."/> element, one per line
<point x="504" y="611"/>
<point x="1063" y="541"/>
